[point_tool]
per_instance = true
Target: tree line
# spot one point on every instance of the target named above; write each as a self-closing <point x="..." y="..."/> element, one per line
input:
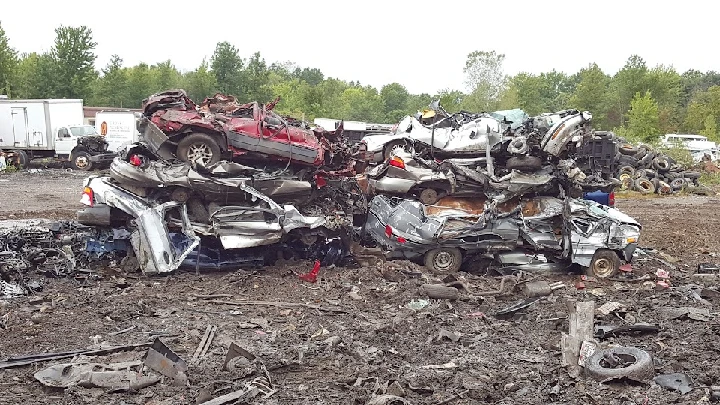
<point x="639" y="101"/>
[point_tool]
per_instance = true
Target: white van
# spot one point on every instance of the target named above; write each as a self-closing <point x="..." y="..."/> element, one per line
<point x="118" y="127"/>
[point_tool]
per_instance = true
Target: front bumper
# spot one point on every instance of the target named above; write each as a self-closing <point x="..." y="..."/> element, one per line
<point x="103" y="157"/>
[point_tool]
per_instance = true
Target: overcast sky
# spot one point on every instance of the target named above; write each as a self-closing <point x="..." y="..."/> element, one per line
<point x="420" y="44"/>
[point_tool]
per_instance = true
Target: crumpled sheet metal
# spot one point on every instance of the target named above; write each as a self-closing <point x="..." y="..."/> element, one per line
<point x="115" y="376"/>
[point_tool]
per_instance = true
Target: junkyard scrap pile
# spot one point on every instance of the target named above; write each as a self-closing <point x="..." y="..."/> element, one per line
<point x="522" y="285"/>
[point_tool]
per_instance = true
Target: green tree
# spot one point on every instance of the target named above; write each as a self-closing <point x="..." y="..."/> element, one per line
<point x="643" y="119"/>
<point x="201" y="82"/>
<point x="256" y="80"/>
<point x="74" y="62"/>
<point x="451" y="100"/>
<point x="591" y="94"/>
<point x="710" y="129"/>
<point x="394" y="98"/>
<point x="140" y="83"/>
<point x="8" y="63"/>
<point x="703" y="105"/>
<point x="485" y="80"/>
<point x="165" y="76"/>
<point x="227" y="65"/>
<point x="628" y="81"/>
<point x="110" y="88"/>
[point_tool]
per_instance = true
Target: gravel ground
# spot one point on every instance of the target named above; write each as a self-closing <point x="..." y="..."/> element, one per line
<point x="354" y="336"/>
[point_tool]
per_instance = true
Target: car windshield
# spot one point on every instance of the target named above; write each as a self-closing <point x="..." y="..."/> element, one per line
<point x="84" y="130"/>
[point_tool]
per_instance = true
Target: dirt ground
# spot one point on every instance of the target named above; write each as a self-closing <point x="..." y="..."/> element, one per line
<point x="358" y="337"/>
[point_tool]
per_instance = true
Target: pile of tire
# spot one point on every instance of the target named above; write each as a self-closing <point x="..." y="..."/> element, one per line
<point x="644" y="170"/>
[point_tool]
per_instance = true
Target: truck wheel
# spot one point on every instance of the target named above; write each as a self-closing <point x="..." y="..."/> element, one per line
<point x="199" y="148"/>
<point x="605" y="263"/>
<point x="81" y="161"/>
<point x="21" y="159"/>
<point x="443" y="260"/>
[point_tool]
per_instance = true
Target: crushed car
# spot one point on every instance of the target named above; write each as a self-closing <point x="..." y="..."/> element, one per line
<point x="596" y="237"/>
<point x="220" y="128"/>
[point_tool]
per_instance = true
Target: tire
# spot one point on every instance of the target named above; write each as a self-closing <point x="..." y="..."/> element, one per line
<point x="626" y="169"/>
<point x="627" y="149"/>
<point x="524" y="163"/>
<point x="646" y="161"/>
<point x="656" y="184"/>
<point x="388" y="150"/>
<point x="443" y="260"/>
<point x="641" y="368"/>
<point x="21" y="159"/>
<point x="624" y="160"/>
<point x="198" y="148"/>
<point x="691" y="175"/>
<point x="644" y="186"/>
<point x="678" y="184"/>
<point x="660" y="164"/>
<point x="605" y="263"/>
<point x="429" y="196"/>
<point x="664" y="188"/>
<point x="640" y="154"/>
<point x="81" y="161"/>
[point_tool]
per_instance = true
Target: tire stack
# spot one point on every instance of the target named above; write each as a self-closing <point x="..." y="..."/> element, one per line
<point x="644" y="170"/>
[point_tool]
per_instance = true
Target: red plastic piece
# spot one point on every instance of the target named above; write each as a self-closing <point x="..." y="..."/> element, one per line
<point x="311" y="277"/>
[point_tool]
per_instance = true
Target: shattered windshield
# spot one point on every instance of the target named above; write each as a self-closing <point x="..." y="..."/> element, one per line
<point x="84" y="130"/>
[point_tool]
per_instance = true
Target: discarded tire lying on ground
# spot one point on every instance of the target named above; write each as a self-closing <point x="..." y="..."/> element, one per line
<point x="620" y="362"/>
<point x="644" y="186"/>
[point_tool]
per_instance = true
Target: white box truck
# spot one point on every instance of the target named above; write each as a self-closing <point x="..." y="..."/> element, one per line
<point x="50" y="128"/>
<point x="118" y="126"/>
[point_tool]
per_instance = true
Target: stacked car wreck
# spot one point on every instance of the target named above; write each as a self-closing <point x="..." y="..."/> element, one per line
<point x="492" y="190"/>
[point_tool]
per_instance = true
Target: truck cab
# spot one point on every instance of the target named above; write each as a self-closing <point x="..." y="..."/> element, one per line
<point x="82" y="146"/>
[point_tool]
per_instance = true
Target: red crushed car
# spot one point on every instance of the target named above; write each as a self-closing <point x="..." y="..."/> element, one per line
<point x="220" y="128"/>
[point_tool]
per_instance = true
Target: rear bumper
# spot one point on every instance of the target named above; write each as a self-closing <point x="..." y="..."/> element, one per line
<point x="98" y="215"/>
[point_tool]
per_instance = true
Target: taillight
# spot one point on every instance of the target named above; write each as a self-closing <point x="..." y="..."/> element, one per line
<point x="388" y="231"/>
<point x="397" y="162"/>
<point x="400" y="239"/>
<point x="136" y="160"/>
<point x="88" y="197"/>
<point x="611" y="199"/>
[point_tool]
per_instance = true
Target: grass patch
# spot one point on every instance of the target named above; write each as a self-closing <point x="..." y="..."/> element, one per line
<point x="710" y="179"/>
<point x="630" y="194"/>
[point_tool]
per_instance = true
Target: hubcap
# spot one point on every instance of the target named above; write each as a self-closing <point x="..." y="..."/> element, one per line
<point x="603" y="267"/>
<point x="428" y="196"/>
<point x="199" y="153"/>
<point x="444" y="260"/>
<point x="81" y="162"/>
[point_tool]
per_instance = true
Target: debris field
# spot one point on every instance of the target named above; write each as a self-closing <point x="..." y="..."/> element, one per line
<point x="367" y="331"/>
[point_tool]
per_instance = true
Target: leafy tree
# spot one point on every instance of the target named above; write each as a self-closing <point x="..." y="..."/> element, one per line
<point x="165" y="76"/>
<point x="110" y="88"/>
<point x="140" y="81"/>
<point x="394" y="98"/>
<point x="643" y="118"/>
<point x="312" y="76"/>
<point x="485" y="80"/>
<point x="227" y="65"/>
<point x="201" y="82"/>
<point x="704" y="104"/>
<point x="628" y="81"/>
<point x="710" y="129"/>
<point x="8" y="62"/>
<point x="255" y="80"/>
<point x="74" y="62"/>
<point x="451" y="100"/>
<point x="591" y="93"/>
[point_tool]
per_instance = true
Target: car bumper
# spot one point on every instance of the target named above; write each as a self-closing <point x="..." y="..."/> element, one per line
<point x="97" y="215"/>
<point x="103" y="157"/>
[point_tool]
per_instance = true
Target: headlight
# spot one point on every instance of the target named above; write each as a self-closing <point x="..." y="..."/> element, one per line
<point x="624" y="234"/>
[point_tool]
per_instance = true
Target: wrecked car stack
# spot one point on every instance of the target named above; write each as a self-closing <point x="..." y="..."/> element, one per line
<point x="450" y="189"/>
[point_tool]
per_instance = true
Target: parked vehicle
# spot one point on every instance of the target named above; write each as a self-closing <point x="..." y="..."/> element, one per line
<point x="118" y="126"/>
<point x="50" y="128"/>
<point x="693" y="143"/>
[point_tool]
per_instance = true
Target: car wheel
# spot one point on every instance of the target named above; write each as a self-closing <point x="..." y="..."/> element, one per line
<point x="524" y="163"/>
<point x="632" y="362"/>
<point x="429" y="196"/>
<point x="81" y="161"/>
<point x="443" y="260"/>
<point x="626" y="170"/>
<point x="391" y="147"/>
<point x="644" y="186"/>
<point x="200" y="149"/>
<point x="605" y="263"/>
